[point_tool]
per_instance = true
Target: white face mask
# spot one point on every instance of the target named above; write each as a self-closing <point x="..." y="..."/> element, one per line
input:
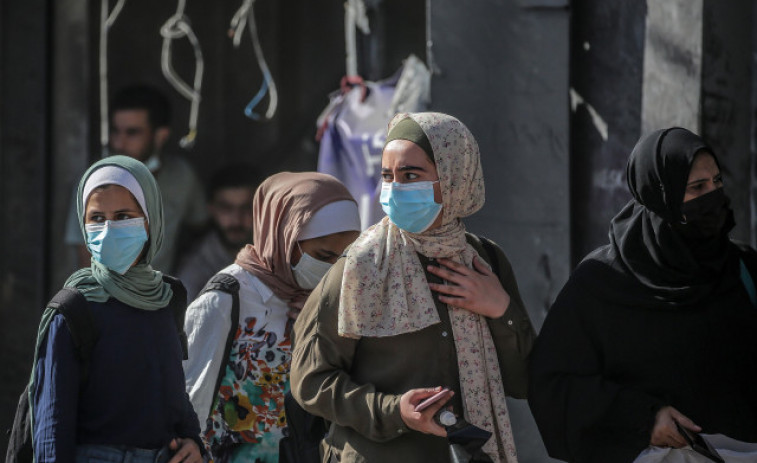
<point x="309" y="271"/>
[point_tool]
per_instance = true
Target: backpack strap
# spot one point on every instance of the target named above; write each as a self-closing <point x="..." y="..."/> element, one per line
<point x="230" y="285"/>
<point x="178" y="306"/>
<point x="747" y="268"/>
<point x="746" y="280"/>
<point x="72" y="304"/>
<point x="491" y="250"/>
<point x="486" y="249"/>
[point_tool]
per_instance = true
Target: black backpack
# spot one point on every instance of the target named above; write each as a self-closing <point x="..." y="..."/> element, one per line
<point x="227" y="284"/>
<point x="74" y="307"/>
<point x="305" y="432"/>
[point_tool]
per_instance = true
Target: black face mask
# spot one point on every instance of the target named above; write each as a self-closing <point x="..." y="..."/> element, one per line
<point x="707" y="216"/>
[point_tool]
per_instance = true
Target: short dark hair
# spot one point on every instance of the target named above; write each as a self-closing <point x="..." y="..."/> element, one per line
<point x="144" y="97"/>
<point x="237" y="175"/>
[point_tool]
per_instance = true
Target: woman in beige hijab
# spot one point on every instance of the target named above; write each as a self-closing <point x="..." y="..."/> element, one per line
<point x="413" y="308"/>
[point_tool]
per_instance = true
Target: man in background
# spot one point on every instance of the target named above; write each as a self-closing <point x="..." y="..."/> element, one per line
<point x="139" y="128"/>
<point x="230" y="194"/>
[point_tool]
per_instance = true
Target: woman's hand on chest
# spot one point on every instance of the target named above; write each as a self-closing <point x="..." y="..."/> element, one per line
<point x="477" y="290"/>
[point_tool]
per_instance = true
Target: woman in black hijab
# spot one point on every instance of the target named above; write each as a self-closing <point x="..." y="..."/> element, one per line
<point x="656" y="327"/>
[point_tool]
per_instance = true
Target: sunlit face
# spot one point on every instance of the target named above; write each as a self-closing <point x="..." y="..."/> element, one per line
<point x="231" y="210"/>
<point x="132" y="135"/>
<point x="325" y="248"/>
<point x="112" y="202"/>
<point x="405" y="162"/>
<point x="704" y="177"/>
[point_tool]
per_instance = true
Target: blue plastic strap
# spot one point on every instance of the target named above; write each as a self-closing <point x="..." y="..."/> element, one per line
<point x="746" y="278"/>
<point x="248" y="110"/>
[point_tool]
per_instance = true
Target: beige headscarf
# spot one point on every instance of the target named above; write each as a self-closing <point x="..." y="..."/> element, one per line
<point x="283" y="204"/>
<point x="385" y="292"/>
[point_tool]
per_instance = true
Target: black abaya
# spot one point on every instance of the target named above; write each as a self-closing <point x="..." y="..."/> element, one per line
<point x="646" y="321"/>
<point x="601" y="369"/>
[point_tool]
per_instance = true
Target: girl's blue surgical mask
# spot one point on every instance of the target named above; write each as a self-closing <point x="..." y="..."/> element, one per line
<point x="116" y="243"/>
<point x="410" y="206"/>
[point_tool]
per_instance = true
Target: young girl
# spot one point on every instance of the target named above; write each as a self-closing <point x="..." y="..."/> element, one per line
<point x="132" y="405"/>
<point x="302" y="223"/>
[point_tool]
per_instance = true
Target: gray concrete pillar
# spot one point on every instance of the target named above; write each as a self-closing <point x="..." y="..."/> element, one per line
<point x="671" y="89"/>
<point x="697" y="75"/>
<point x="502" y="68"/>
<point x="71" y="88"/>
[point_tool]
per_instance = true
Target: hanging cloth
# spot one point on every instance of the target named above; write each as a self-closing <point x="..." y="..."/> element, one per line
<point x="352" y="130"/>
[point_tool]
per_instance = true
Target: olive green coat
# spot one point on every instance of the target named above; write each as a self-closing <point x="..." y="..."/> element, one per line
<point x="357" y="384"/>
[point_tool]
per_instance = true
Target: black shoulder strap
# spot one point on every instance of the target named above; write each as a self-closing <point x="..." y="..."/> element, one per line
<point x="230" y="285"/>
<point x="489" y="249"/>
<point x="20" y="441"/>
<point x="72" y="304"/>
<point x="178" y="306"/>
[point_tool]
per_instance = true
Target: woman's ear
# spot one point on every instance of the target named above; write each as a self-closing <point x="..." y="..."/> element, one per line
<point x="438" y="192"/>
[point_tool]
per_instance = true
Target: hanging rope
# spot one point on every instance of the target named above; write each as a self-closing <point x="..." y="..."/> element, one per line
<point x="354" y="16"/>
<point x="245" y="15"/>
<point x="178" y="27"/>
<point x="106" y="21"/>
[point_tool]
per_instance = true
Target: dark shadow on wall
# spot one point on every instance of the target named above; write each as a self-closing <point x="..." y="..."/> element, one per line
<point x="24" y="211"/>
<point x="607" y="58"/>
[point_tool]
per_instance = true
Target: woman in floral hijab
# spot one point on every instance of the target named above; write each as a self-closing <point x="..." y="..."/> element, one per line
<point x="393" y="327"/>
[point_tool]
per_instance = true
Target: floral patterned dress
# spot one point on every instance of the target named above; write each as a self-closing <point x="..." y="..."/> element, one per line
<point x="247" y="418"/>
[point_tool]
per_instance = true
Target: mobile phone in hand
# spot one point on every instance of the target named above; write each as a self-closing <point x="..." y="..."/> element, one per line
<point x="699" y="443"/>
<point x="430" y="400"/>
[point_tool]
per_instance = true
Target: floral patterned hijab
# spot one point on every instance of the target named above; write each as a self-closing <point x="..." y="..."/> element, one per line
<point x="385" y="291"/>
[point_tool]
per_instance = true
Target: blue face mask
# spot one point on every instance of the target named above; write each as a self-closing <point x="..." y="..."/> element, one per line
<point x="116" y="243"/>
<point x="410" y="206"/>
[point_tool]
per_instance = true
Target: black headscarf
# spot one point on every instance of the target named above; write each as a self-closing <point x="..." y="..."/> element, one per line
<point x="644" y="244"/>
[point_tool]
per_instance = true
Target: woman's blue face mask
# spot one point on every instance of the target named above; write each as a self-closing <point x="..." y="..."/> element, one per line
<point x="410" y="206"/>
<point x="117" y="243"/>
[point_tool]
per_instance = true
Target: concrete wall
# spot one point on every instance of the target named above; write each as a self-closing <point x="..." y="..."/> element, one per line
<point x="636" y="67"/>
<point x="607" y="56"/>
<point x="727" y="110"/>
<point x="672" y="65"/>
<point x="502" y="68"/>
<point x="72" y="89"/>
<point x="24" y="191"/>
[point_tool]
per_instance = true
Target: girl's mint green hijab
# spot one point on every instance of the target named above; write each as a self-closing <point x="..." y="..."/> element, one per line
<point x="141" y="286"/>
